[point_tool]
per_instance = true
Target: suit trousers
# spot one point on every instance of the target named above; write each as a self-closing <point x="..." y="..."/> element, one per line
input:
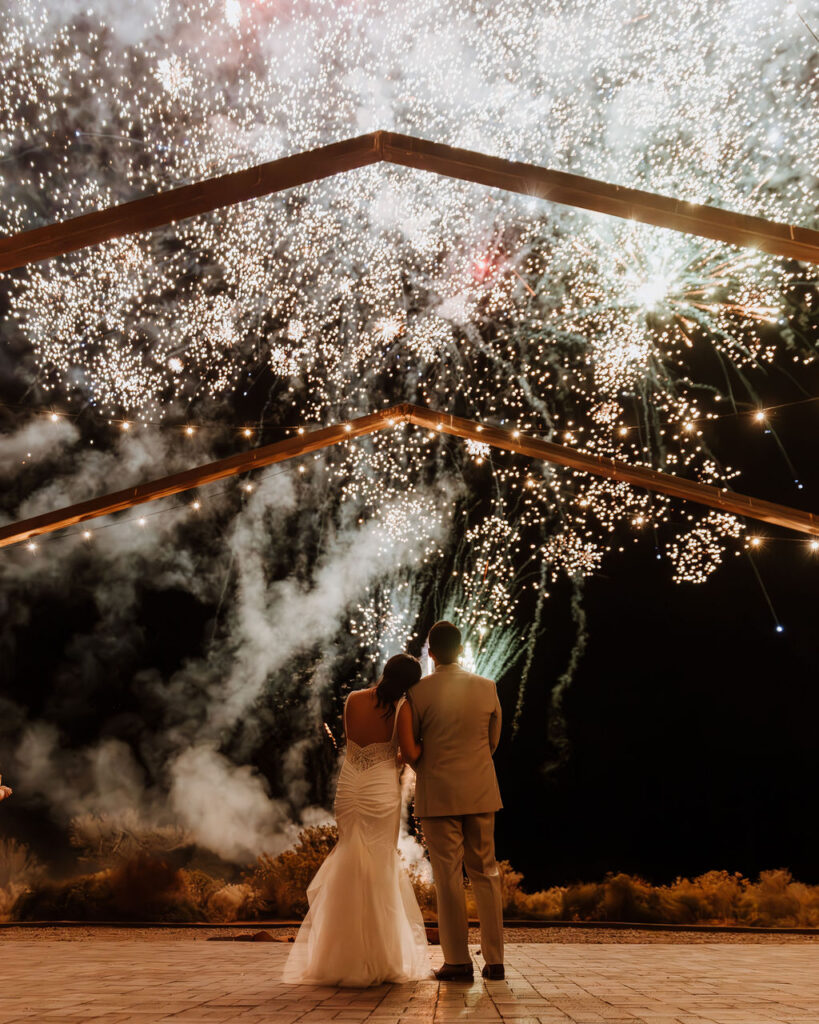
<point x="454" y="843"/>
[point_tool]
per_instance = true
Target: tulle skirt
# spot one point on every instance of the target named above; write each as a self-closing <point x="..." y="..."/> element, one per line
<point x="364" y="926"/>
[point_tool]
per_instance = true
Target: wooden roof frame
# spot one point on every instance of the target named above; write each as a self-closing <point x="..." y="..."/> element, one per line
<point x="175" y="204"/>
<point x="164" y="208"/>
<point x="445" y="423"/>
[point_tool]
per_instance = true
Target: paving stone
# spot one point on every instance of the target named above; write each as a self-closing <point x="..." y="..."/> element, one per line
<point x="160" y="982"/>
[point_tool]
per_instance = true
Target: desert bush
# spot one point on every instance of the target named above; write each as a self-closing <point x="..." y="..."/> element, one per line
<point x="141" y="889"/>
<point x="425" y="894"/>
<point x="237" y="902"/>
<point x="622" y="897"/>
<point x="713" y="897"/>
<point x="281" y="882"/>
<point x="201" y="886"/>
<point x="19" y="869"/>
<point x="546" y="905"/>
<point x="716" y="897"/>
<point x="106" y="839"/>
<point x="776" y="899"/>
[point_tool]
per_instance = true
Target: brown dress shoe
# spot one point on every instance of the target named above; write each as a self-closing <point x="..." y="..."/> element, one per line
<point x="454" y="972"/>
<point x="493" y="972"/>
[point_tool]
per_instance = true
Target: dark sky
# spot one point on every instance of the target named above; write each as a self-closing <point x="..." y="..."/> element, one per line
<point x="692" y="721"/>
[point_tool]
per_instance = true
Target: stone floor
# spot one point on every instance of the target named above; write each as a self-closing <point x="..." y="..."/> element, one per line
<point x="196" y="982"/>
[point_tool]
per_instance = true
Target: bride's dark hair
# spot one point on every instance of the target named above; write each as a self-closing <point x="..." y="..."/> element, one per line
<point x="400" y="673"/>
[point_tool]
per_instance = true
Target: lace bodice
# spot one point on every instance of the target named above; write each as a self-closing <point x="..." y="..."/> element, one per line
<point x="362" y="758"/>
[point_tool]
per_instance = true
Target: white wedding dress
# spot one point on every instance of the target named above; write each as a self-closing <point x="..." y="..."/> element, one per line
<point x="364" y="926"/>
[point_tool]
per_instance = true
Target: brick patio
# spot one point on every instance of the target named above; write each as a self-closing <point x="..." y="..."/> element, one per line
<point x="197" y="982"/>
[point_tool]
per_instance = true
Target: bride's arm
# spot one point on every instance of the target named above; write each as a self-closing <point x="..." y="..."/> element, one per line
<point x="411" y="749"/>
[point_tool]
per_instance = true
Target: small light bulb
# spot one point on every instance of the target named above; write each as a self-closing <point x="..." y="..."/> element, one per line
<point x="759" y="416"/>
<point x="301" y="430"/>
<point x="301" y="469"/>
<point x="248" y="488"/>
<point x="755" y="542"/>
<point x="814" y="545"/>
<point x="197" y="505"/>
<point x="347" y="427"/>
<point x="780" y="628"/>
<point x="31" y="546"/>
<point x="126" y="425"/>
<point x="515" y="433"/>
<point x="86" y="534"/>
<point x="623" y="431"/>
<point x="189" y="431"/>
<point x="142" y="521"/>
<point x="54" y="417"/>
<point x="247" y="432"/>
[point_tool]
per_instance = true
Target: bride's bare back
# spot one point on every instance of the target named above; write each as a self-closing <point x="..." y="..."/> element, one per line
<point x="364" y="720"/>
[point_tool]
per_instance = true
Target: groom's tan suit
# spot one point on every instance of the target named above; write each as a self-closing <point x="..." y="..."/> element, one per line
<point x="457" y="716"/>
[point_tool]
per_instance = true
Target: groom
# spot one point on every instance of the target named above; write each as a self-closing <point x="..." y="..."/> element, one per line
<point x="457" y="716"/>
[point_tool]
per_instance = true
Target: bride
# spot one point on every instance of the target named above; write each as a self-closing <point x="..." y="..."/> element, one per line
<point x="364" y="925"/>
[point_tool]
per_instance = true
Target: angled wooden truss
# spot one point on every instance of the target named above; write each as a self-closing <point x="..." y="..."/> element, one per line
<point x="445" y="423"/>
<point x="390" y="147"/>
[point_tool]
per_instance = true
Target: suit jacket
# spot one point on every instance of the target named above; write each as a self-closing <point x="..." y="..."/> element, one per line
<point x="457" y="715"/>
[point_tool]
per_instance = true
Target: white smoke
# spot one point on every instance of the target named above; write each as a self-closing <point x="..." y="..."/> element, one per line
<point x="38" y="441"/>
<point x="189" y="763"/>
<point x="226" y="807"/>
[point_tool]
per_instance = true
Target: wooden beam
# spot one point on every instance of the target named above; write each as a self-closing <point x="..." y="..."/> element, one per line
<point x="601" y="197"/>
<point x="166" y="486"/>
<point x="639" y="476"/>
<point x="405" y="150"/>
<point x="523" y="444"/>
<point x="180" y="203"/>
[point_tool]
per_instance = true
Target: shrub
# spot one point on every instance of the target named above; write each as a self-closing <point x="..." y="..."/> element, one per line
<point x="141" y="889"/>
<point x="713" y="897"/>
<point x="107" y="839"/>
<point x="425" y="894"/>
<point x="776" y="899"/>
<point x="238" y="902"/>
<point x="281" y="882"/>
<point x="19" y="869"/>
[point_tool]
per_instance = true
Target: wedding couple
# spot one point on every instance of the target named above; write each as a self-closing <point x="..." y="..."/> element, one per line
<point x="364" y="925"/>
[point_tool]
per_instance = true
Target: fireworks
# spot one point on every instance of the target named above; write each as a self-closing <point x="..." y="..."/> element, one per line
<point x="393" y="284"/>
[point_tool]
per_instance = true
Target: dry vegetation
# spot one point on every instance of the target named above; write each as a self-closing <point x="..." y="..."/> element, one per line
<point x="137" y="879"/>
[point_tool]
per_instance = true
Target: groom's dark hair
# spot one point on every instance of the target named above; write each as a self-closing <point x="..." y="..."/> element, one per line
<point x="445" y="642"/>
